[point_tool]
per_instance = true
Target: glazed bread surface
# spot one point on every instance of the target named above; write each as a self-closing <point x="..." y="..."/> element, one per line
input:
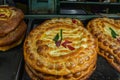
<point x="107" y="32"/>
<point x="60" y="46"/>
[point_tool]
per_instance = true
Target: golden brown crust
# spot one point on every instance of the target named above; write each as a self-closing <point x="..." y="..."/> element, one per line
<point x="42" y="53"/>
<point x="107" y="33"/>
<point x="16" y="43"/>
<point x="79" y="75"/>
<point x="10" y="17"/>
<point x="14" y="35"/>
<point x="83" y="75"/>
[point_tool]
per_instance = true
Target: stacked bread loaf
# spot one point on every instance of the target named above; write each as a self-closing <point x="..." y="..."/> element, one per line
<point x="60" y="49"/>
<point x="107" y="33"/>
<point x="12" y="27"/>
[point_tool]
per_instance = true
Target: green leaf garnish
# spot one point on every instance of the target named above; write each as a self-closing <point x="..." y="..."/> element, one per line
<point x="56" y="38"/>
<point x="113" y="33"/>
<point x="61" y="34"/>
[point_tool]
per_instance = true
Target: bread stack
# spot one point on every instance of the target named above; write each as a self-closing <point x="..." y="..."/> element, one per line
<point x="60" y="49"/>
<point x="12" y="27"/>
<point x="107" y="32"/>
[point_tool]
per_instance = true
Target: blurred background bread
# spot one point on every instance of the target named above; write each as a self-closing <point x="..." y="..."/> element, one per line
<point x="107" y="32"/>
<point x="12" y="27"/>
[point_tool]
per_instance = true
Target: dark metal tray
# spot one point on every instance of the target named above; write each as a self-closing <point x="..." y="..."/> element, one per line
<point x="10" y="63"/>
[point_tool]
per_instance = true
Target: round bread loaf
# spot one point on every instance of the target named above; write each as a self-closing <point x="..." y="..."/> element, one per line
<point x="14" y="38"/>
<point x="14" y="35"/>
<point x="12" y="27"/>
<point x="60" y="47"/>
<point x="107" y="32"/>
<point x="10" y="17"/>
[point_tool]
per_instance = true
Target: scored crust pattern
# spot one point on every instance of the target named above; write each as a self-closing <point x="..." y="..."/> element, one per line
<point x="74" y="51"/>
<point x="36" y="75"/>
<point x="107" y="32"/>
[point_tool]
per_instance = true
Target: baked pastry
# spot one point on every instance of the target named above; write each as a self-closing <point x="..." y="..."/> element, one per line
<point x="10" y="17"/>
<point x="14" y="38"/>
<point x="12" y="27"/>
<point x="14" y="35"/>
<point x="107" y="32"/>
<point x="60" y="49"/>
<point x="16" y="43"/>
<point x="36" y="75"/>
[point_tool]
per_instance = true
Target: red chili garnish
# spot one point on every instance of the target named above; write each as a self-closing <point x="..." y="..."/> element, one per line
<point x="70" y="47"/>
<point x="74" y="21"/>
<point x="2" y="15"/>
<point x="64" y="44"/>
<point x="58" y="43"/>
